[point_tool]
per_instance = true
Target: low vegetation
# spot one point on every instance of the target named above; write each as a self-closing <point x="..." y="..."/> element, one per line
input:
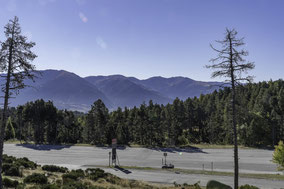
<point x="207" y="172"/>
<point x="248" y="187"/>
<point x="9" y="183"/>
<point x="278" y="155"/>
<point x="21" y="173"/>
<point x="213" y="184"/>
<point x="36" y="178"/>
<point x="54" y="168"/>
<point x="14" y="166"/>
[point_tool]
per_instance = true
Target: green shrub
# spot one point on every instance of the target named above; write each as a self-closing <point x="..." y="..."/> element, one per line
<point x="6" y="167"/>
<point x="248" y="187"/>
<point x="80" y="172"/>
<point x="213" y="184"/>
<point x="96" y="187"/>
<point x="13" y="171"/>
<point x="21" y="186"/>
<point x="182" y="140"/>
<point x="19" y="161"/>
<point x="192" y="186"/>
<point x="58" y="182"/>
<point x="176" y="184"/>
<point x="278" y="155"/>
<point x="69" y="176"/>
<point x="73" y="175"/>
<point x="10" y="183"/>
<point x="36" y="178"/>
<point x="91" y="170"/>
<point x="113" y="179"/>
<point x="35" y="187"/>
<point x="26" y="163"/>
<point x="50" y="186"/>
<point x="95" y="174"/>
<point x="54" y="168"/>
<point x="8" y="159"/>
<point x="72" y="184"/>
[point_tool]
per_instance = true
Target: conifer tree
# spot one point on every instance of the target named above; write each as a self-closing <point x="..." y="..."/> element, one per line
<point x="230" y="63"/>
<point x="15" y="59"/>
<point x="10" y="131"/>
<point x="96" y="122"/>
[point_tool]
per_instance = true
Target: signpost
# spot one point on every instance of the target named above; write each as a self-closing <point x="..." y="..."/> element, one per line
<point x="165" y="154"/>
<point x="166" y="166"/>
<point x="109" y="157"/>
<point x="114" y="144"/>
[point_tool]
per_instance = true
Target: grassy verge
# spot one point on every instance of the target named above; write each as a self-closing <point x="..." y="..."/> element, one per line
<point x="13" y="142"/>
<point x="243" y="175"/>
<point x="216" y="146"/>
<point x="190" y="171"/>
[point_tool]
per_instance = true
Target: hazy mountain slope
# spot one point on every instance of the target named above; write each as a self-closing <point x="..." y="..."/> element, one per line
<point x="124" y="92"/>
<point x="65" y="89"/>
<point x="180" y="87"/>
<point x="70" y="91"/>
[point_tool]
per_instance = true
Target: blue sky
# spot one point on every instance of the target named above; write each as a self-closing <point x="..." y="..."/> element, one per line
<point x="145" y="38"/>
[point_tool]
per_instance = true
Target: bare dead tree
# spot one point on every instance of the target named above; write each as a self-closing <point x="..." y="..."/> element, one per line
<point x="230" y="63"/>
<point x="15" y="58"/>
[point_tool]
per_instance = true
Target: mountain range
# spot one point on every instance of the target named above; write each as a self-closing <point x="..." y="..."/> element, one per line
<point x="70" y="91"/>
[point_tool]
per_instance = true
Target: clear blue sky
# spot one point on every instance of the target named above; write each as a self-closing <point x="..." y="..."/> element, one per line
<point x="145" y="38"/>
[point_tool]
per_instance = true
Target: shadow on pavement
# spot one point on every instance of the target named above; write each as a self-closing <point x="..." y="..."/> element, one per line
<point x="109" y="147"/>
<point x="190" y="149"/>
<point x="178" y="150"/>
<point x="44" y="147"/>
<point x="122" y="170"/>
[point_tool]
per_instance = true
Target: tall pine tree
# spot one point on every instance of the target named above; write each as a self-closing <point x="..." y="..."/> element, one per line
<point x="15" y="59"/>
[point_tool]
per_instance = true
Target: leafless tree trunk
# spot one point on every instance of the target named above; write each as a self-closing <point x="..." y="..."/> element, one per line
<point x="231" y="64"/>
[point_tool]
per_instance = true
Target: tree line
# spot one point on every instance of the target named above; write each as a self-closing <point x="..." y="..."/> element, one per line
<point x="260" y="120"/>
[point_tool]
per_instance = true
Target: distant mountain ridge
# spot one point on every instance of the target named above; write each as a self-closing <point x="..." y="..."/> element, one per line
<point x="67" y="91"/>
<point x="181" y="87"/>
<point x="124" y="92"/>
<point x="70" y="91"/>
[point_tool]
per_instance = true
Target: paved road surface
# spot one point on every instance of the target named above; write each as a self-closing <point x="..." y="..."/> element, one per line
<point x="251" y="160"/>
<point x="169" y="177"/>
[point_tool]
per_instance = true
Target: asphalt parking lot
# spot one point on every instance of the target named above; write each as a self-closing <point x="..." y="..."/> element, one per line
<point x="251" y="160"/>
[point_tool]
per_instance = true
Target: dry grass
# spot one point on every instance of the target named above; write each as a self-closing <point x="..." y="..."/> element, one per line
<point x="110" y="181"/>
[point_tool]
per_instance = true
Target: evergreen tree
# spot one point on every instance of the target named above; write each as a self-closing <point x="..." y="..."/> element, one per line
<point x="10" y="131"/>
<point x="51" y="123"/>
<point x="96" y="123"/>
<point x="15" y="58"/>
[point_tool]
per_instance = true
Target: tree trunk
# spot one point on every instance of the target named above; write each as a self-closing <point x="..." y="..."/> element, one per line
<point x="273" y="134"/>
<point x="236" y="158"/>
<point x="5" y="109"/>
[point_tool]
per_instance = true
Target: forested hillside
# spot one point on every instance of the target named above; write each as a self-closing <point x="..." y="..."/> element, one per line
<point x="260" y="120"/>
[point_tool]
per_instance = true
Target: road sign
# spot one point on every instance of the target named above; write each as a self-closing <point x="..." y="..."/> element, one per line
<point x="114" y="143"/>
